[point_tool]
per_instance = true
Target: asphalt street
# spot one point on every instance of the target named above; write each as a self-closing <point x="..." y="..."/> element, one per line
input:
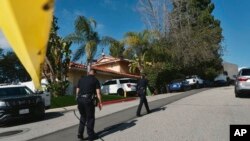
<point x="126" y="118"/>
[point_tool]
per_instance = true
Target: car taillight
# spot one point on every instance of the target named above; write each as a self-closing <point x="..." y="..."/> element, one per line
<point x="242" y="79"/>
<point x="129" y="85"/>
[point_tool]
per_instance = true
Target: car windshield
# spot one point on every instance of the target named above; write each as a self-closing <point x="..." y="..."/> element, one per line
<point x="109" y="83"/>
<point x="17" y="91"/>
<point x="128" y="81"/>
<point x="245" y="72"/>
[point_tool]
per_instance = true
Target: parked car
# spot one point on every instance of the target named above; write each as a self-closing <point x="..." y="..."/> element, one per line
<point x="46" y="96"/>
<point x="178" y="85"/>
<point x="208" y="83"/>
<point x="242" y="83"/>
<point x="195" y="81"/>
<point x="221" y="80"/>
<point x="119" y="86"/>
<point x="18" y="101"/>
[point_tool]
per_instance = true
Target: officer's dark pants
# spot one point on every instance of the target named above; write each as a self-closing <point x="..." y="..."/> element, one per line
<point x="143" y="99"/>
<point x="87" y="110"/>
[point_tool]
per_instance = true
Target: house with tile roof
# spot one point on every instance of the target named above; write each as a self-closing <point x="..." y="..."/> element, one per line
<point x="106" y="67"/>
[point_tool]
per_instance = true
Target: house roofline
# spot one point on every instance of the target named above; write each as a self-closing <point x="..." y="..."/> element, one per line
<point x="81" y="67"/>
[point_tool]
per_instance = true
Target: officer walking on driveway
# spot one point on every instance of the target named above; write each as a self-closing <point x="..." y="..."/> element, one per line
<point x="141" y="90"/>
<point x="88" y="87"/>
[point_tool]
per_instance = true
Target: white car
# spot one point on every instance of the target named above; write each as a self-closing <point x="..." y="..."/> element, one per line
<point x="195" y="81"/>
<point x="242" y="83"/>
<point x="221" y="80"/>
<point x="119" y="86"/>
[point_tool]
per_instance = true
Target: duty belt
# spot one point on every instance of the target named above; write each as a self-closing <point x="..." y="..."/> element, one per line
<point x="85" y="95"/>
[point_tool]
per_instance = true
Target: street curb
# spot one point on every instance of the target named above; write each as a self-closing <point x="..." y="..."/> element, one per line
<point x="74" y="107"/>
<point x="118" y="101"/>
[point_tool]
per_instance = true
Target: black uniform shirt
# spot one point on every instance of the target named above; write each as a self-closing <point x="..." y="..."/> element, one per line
<point x="142" y="83"/>
<point x="88" y="85"/>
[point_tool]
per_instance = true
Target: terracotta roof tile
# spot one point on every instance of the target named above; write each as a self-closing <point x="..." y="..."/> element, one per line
<point x="115" y="72"/>
<point x="81" y="66"/>
<point x="76" y="65"/>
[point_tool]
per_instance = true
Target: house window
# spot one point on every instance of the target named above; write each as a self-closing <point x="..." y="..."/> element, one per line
<point x="109" y="83"/>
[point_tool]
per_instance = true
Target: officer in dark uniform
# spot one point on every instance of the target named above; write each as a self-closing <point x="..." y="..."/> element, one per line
<point x="141" y="90"/>
<point x="87" y="88"/>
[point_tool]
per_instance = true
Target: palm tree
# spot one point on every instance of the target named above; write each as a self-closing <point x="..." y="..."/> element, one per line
<point x="86" y="37"/>
<point x="138" y="44"/>
<point x="138" y="62"/>
<point x="116" y="47"/>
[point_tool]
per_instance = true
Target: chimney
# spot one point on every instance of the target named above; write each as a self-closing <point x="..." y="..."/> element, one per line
<point x="103" y="52"/>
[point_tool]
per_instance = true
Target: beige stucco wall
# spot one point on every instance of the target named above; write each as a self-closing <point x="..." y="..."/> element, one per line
<point x="124" y="68"/>
<point x="114" y="67"/>
<point x="73" y="77"/>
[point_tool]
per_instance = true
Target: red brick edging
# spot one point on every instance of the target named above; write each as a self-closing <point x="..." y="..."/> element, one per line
<point x="118" y="101"/>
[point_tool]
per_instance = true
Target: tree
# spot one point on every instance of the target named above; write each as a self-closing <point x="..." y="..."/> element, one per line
<point x="195" y="33"/>
<point x="190" y="39"/>
<point x="86" y="37"/>
<point x="155" y="14"/>
<point x="57" y="62"/>
<point x="138" y="63"/>
<point x="137" y="46"/>
<point x="1" y="51"/>
<point x="9" y="66"/>
<point x="116" y="47"/>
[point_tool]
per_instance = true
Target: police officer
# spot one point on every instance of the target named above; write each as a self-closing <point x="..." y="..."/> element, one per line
<point x="141" y="90"/>
<point x="87" y="88"/>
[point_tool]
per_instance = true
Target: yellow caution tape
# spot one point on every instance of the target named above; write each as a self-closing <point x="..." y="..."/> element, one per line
<point x="26" y="25"/>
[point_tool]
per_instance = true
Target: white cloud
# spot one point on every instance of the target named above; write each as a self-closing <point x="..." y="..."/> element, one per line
<point x="3" y="42"/>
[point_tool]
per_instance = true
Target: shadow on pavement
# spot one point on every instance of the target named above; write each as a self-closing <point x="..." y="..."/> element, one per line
<point x="52" y="115"/>
<point x="116" y="128"/>
<point x="158" y="109"/>
<point x="29" y="120"/>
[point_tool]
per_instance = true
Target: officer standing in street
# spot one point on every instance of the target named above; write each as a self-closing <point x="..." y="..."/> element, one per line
<point x="141" y="90"/>
<point x="88" y="87"/>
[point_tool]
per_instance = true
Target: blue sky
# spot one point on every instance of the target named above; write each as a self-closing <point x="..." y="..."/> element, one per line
<point x="235" y="21"/>
<point x="116" y="17"/>
<point x="113" y="17"/>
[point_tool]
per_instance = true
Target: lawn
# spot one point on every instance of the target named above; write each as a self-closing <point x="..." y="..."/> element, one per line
<point x="63" y="101"/>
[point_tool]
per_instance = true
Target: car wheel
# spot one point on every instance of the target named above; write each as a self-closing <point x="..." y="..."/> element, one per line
<point x="183" y="89"/>
<point x="237" y="94"/>
<point x="120" y="92"/>
<point x="40" y="113"/>
<point x="197" y="86"/>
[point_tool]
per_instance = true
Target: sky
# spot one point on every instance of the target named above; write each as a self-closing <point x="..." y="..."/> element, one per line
<point x="116" y="17"/>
